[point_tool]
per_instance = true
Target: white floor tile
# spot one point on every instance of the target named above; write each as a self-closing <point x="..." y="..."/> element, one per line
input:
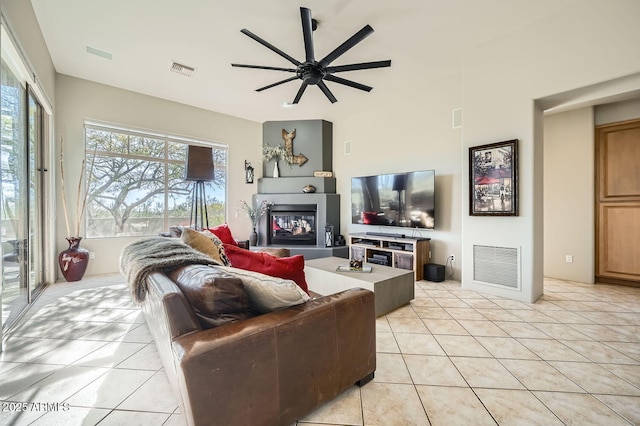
<point x="450" y="357"/>
<point x="154" y="395"/>
<point x="386" y="403"/>
<point x="60" y="385"/>
<point x="146" y="358"/>
<point x="580" y="408"/>
<point x="110" y="389"/>
<point x="453" y="406"/>
<point x="72" y="416"/>
<point x="134" y="418"/>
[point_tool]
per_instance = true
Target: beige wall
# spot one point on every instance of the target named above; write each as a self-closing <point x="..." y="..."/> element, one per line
<point x="79" y="99"/>
<point x="22" y="23"/>
<point x="502" y="81"/>
<point x="414" y="133"/>
<point x="569" y="195"/>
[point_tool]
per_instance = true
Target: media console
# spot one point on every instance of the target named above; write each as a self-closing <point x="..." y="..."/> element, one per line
<point x="391" y="250"/>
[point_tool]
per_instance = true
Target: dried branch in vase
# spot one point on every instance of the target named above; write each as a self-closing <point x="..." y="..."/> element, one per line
<point x="81" y="196"/>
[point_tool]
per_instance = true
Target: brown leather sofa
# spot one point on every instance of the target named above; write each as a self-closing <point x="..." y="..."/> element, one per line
<point x="271" y="369"/>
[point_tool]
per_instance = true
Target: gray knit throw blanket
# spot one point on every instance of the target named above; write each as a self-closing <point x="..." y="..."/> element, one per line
<point x="148" y="255"/>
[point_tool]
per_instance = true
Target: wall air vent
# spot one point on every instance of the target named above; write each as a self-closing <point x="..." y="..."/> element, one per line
<point x="499" y="266"/>
<point x="182" y="69"/>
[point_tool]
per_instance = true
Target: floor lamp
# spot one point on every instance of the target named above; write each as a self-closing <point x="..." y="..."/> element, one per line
<point x="199" y="169"/>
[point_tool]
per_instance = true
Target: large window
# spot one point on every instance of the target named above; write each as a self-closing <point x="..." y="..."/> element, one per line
<point x="136" y="182"/>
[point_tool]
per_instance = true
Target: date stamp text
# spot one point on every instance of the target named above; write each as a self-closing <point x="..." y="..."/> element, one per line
<point x="33" y="406"/>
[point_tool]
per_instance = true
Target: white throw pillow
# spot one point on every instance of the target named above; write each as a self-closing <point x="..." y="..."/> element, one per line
<point x="267" y="293"/>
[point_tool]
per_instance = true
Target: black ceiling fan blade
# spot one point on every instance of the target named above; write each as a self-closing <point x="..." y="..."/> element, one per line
<point x="352" y="41"/>
<point x="327" y="92"/>
<point x="286" y="80"/>
<point x="269" y="46"/>
<point x="261" y="67"/>
<point x="303" y="87"/>
<point x="307" y="33"/>
<point x="360" y="66"/>
<point x="348" y="82"/>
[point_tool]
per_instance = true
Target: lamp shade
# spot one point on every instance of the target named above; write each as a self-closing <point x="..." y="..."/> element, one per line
<point x="199" y="163"/>
<point x="399" y="183"/>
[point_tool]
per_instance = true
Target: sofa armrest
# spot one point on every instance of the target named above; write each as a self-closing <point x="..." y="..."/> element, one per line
<point x="165" y="301"/>
<point x="243" y="244"/>
<point x="279" y="366"/>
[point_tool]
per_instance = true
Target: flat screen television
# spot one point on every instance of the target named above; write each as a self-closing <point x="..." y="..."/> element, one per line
<point x="395" y="199"/>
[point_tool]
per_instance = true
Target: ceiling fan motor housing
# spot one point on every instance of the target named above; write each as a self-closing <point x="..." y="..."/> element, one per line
<point x="311" y="73"/>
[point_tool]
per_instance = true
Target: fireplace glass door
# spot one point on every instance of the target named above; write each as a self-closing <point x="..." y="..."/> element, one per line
<point x="292" y="224"/>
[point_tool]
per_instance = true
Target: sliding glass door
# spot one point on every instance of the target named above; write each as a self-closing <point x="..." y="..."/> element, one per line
<point x="15" y="195"/>
<point x="21" y="146"/>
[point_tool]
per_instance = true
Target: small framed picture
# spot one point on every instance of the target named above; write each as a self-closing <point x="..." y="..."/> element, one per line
<point x="493" y="179"/>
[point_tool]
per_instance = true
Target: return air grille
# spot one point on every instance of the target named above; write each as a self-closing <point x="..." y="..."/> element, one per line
<point x="497" y="266"/>
<point x="182" y="69"/>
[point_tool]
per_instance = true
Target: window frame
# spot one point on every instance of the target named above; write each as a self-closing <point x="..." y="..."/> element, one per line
<point x="166" y="138"/>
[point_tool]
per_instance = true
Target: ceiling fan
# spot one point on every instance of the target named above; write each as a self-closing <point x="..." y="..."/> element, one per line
<point x="313" y="72"/>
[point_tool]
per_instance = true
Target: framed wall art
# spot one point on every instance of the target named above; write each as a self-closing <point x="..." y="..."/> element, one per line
<point x="493" y="179"/>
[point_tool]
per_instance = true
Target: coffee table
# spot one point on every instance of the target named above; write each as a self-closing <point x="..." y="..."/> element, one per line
<point x="392" y="287"/>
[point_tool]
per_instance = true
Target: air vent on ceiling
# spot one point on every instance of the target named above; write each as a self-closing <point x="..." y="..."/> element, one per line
<point x="98" y="52"/>
<point x="182" y="69"/>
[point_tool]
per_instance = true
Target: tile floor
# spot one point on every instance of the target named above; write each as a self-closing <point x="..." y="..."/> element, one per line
<point x="83" y="355"/>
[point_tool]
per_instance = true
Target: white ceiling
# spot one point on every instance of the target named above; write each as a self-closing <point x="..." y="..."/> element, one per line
<point x="425" y="39"/>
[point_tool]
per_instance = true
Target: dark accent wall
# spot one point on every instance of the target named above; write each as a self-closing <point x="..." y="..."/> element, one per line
<point x="314" y="139"/>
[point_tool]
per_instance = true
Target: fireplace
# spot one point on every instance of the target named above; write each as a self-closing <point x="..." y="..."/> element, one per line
<point x="292" y="224"/>
<point x="302" y="218"/>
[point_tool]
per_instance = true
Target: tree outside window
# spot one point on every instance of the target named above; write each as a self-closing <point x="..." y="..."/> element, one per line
<point x="137" y="184"/>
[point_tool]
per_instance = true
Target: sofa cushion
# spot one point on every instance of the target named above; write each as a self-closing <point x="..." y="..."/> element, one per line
<point x="207" y="243"/>
<point x="291" y="268"/>
<point x="267" y="293"/>
<point x="217" y="298"/>
<point x="224" y="233"/>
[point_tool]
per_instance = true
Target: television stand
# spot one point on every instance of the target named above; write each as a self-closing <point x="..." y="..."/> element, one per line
<point x="385" y="234"/>
<point x="410" y="253"/>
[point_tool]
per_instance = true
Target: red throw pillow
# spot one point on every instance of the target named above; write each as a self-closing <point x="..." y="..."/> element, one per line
<point x="224" y="233"/>
<point x="290" y="268"/>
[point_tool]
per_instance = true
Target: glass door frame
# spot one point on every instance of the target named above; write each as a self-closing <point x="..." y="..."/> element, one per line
<point x="40" y="261"/>
<point x="37" y="268"/>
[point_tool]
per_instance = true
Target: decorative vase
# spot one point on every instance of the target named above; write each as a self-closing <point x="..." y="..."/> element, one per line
<point x="276" y="171"/>
<point x="74" y="260"/>
<point x="253" y="238"/>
